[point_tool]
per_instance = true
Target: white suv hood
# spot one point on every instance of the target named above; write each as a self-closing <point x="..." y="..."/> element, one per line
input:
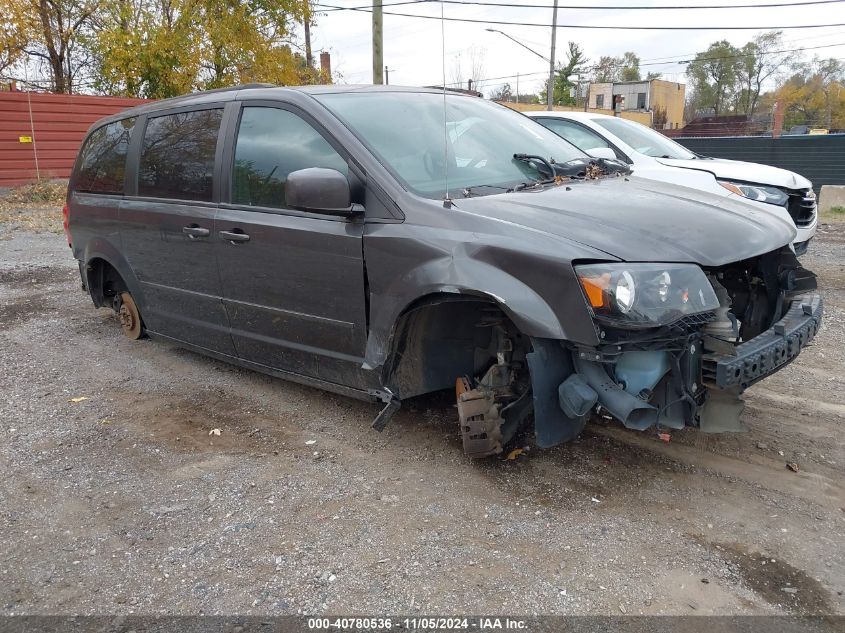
<point x="740" y="170"/>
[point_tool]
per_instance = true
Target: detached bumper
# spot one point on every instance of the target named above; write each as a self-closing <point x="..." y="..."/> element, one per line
<point x="771" y="350"/>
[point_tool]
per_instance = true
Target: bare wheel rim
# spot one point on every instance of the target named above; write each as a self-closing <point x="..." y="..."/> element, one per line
<point x="130" y="318"/>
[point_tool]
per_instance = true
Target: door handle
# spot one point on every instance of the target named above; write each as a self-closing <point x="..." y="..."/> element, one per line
<point x="235" y="236"/>
<point x="193" y="231"/>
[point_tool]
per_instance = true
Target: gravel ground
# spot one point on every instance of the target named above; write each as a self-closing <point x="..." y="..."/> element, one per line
<point x="123" y="503"/>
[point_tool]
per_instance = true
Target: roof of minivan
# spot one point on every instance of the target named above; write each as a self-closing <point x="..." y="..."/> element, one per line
<point x="267" y="91"/>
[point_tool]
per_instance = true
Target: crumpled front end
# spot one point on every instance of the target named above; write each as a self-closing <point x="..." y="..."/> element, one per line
<point x="678" y="347"/>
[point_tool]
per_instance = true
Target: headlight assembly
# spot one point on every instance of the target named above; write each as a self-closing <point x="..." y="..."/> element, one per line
<point x="645" y="295"/>
<point x="759" y="193"/>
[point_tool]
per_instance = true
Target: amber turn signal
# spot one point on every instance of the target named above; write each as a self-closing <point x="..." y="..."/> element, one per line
<point x="594" y="288"/>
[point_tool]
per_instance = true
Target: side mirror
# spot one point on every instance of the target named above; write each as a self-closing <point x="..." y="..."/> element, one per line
<point x="602" y="152"/>
<point x="320" y="190"/>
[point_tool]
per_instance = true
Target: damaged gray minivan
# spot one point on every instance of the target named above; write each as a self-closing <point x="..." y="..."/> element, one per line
<point x="386" y="242"/>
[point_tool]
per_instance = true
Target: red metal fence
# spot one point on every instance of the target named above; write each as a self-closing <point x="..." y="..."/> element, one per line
<point x="40" y="133"/>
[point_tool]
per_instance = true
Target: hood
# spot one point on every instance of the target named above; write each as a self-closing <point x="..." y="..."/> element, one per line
<point x="740" y="170"/>
<point x="641" y="220"/>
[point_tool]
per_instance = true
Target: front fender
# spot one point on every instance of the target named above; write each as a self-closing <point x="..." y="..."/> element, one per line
<point x="456" y="276"/>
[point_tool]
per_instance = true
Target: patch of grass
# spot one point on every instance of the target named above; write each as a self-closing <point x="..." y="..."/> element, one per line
<point x="38" y="219"/>
<point x="45" y="191"/>
<point x="834" y="214"/>
<point x="34" y="207"/>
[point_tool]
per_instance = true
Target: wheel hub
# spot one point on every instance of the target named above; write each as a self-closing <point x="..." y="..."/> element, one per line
<point x="127" y="321"/>
<point x="130" y="318"/>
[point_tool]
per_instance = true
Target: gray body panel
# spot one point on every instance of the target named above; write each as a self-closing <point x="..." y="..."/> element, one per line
<point x="177" y="273"/>
<point x="295" y="292"/>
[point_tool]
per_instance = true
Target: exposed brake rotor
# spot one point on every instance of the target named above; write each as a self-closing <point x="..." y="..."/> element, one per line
<point x="130" y="317"/>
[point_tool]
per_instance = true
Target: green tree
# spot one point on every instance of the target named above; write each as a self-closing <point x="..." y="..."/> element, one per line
<point x="624" y="68"/>
<point x="714" y="77"/>
<point x="148" y="48"/>
<point x="605" y="71"/>
<point x="162" y="48"/>
<point x="575" y="64"/>
<point x="629" y="67"/>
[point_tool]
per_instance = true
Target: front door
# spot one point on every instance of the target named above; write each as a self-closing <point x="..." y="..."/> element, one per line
<point x="167" y="229"/>
<point x="293" y="282"/>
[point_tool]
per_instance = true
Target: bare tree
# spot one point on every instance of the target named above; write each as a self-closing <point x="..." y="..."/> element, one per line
<point x="456" y="72"/>
<point x="760" y="62"/>
<point x="469" y="66"/>
<point x="477" y="67"/>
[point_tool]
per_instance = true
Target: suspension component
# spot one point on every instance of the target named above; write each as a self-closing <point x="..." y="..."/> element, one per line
<point x="480" y="419"/>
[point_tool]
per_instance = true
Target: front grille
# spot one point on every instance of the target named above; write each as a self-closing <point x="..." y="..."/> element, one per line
<point x="802" y="207"/>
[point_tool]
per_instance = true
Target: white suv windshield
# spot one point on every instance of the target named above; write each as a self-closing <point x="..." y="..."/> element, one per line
<point x="405" y="130"/>
<point x="645" y="140"/>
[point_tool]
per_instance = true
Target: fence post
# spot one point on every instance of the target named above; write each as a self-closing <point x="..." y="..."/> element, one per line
<point x="777" y="119"/>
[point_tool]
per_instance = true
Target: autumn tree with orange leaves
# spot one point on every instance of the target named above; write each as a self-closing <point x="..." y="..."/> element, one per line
<point x="154" y="48"/>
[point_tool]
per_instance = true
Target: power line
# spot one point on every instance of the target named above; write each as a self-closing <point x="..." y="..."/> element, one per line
<point x="683" y="61"/>
<point x="709" y="59"/>
<point x="767" y="5"/>
<point x="595" y="67"/>
<point x="671" y="59"/>
<point x="593" y="26"/>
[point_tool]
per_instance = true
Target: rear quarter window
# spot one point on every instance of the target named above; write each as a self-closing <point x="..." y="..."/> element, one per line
<point x="102" y="162"/>
<point x="177" y="156"/>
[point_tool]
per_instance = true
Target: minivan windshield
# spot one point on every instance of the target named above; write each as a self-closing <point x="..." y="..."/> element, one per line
<point x="645" y="140"/>
<point x="469" y="149"/>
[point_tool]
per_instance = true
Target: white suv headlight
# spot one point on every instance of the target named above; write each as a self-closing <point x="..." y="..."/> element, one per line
<point x="760" y="193"/>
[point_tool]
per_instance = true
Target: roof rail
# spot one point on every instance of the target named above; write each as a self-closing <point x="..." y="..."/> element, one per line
<point x="190" y="95"/>
<point x="239" y="87"/>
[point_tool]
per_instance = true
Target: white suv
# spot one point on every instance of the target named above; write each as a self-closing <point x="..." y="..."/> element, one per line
<point x="653" y="155"/>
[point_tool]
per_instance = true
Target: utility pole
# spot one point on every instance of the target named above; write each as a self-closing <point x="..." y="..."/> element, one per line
<point x="517" y="88"/>
<point x="386" y="76"/>
<point x="551" y="90"/>
<point x="378" y="43"/>
<point x="309" y="58"/>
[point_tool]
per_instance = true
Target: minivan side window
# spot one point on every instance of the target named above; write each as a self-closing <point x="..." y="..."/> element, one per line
<point x="578" y="135"/>
<point x="271" y="144"/>
<point x="102" y="163"/>
<point x="177" y="156"/>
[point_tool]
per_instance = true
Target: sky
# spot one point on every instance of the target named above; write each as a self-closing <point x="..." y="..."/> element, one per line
<point x="414" y="48"/>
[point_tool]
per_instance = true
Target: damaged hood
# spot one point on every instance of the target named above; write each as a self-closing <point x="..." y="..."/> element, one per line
<point x="739" y="170"/>
<point x="635" y="219"/>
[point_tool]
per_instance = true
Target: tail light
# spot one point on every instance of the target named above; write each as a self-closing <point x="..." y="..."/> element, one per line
<point x="66" y="222"/>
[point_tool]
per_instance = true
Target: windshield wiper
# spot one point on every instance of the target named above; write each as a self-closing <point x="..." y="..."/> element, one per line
<point x="469" y="192"/>
<point x="527" y="158"/>
<point x="575" y="169"/>
<point x="526" y="185"/>
<point x="549" y="164"/>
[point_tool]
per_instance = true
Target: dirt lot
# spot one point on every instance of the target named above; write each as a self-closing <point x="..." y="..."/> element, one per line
<point x="123" y="503"/>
